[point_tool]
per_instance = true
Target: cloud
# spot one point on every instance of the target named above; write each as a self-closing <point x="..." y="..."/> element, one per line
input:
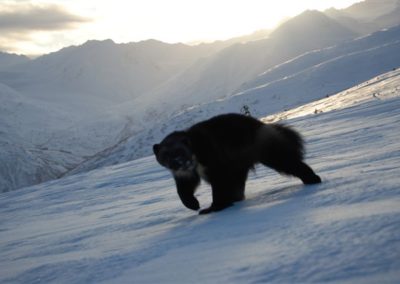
<point x="30" y="17"/>
<point x="20" y="21"/>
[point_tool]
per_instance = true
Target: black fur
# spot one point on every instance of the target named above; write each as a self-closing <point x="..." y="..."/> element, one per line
<point x="222" y="150"/>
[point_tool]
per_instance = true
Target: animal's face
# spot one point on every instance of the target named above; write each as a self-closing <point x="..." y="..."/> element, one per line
<point x="174" y="152"/>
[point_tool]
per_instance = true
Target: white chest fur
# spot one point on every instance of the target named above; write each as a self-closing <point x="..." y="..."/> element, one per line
<point x="202" y="171"/>
<point x="198" y="168"/>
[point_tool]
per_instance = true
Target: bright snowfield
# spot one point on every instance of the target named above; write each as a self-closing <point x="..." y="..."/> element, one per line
<point x="125" y="224"/>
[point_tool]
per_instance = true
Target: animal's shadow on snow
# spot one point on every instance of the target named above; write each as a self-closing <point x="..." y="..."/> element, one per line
<point x="276" y="195"/>
<point x="260" y="211"/>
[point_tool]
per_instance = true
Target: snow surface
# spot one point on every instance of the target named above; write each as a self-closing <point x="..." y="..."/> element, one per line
<point x="125" y="224"/>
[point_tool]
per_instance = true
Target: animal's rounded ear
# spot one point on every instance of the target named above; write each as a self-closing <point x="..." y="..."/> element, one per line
<point x="156" y="148"/>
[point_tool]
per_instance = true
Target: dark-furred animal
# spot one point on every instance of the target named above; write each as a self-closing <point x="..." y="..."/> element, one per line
<point x="222" y="150"/>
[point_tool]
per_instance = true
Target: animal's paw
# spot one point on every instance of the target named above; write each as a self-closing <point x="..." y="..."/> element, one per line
<point x="214" y="208"/>
<point x="191" y="202"/>
<point x="206" y="211"/>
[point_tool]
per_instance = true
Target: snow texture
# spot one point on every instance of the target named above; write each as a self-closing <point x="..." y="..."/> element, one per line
<point x="125" y="224"/>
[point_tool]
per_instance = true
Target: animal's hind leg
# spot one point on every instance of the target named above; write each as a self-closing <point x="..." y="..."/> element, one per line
<point x="295" y="168"/>
<point x="304" y="172"/>
<point x="238" y="184"/>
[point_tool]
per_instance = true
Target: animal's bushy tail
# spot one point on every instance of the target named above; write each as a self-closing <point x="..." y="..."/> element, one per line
<point x="291" y="141"/>
<point x="284" y="152"/>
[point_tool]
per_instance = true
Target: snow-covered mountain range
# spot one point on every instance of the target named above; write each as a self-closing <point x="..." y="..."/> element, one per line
<point x="56" y="111"/>
<point x="103" y="103"/>
<point x="125" y="223"/>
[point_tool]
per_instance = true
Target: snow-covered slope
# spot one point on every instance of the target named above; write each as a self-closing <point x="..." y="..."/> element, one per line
<point x="308" y="77"/>
<point x="366" y="57"/>
<point x="41" y="141"/>
<point x="125" y="224"/>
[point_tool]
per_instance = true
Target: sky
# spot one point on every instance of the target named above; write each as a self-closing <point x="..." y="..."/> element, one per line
<point x="34" y="27"/>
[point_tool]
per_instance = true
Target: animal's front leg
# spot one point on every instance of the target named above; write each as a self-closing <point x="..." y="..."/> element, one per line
<point x="186" y="187"/>
<point x="221" y="198"/>
<point x="227" y="188"/>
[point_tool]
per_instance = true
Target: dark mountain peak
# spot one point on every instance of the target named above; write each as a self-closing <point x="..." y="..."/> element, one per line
<point x="96" y="43"/>
<point x="370" y="9"/>
<point x="151" y="42"/>
<point x="9" y="59"/>
<point x="368" y="16"/>
<point x="312" y="24"/>
<point x="308" y="19"/>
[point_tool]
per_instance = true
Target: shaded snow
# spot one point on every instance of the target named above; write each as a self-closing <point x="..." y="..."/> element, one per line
<point x="125" y="224"/>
